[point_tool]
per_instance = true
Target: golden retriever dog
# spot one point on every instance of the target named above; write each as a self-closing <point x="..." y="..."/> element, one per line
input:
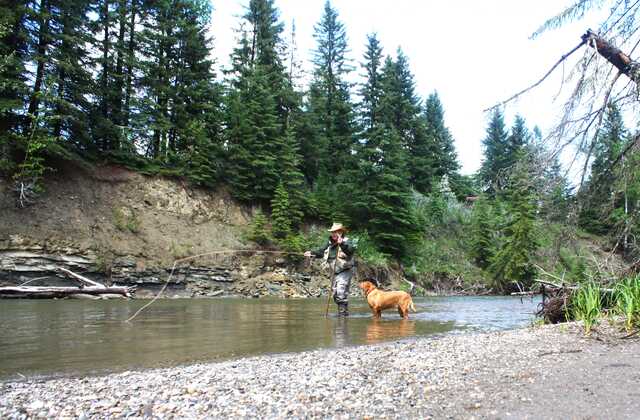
<point x="380" y="300"/>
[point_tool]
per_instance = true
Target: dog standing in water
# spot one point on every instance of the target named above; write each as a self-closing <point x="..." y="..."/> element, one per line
<point x="380" y="300"/>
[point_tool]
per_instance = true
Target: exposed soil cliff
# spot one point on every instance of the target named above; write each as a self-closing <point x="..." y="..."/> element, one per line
<point x="122" y="227"/>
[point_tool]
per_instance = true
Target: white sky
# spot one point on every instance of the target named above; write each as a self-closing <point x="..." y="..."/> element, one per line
<point x="475" y="53"/>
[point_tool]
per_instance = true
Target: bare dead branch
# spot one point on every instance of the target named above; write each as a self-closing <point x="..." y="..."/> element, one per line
<point x="564" y="57"/>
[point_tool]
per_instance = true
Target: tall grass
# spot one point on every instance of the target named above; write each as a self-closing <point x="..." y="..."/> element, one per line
<point x="586" y="305"/>
<point x="627" y="301"/>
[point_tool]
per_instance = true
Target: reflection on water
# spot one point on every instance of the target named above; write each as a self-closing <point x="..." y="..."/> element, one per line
<point x="378" y="330"/>
<point x="40" y="337"/>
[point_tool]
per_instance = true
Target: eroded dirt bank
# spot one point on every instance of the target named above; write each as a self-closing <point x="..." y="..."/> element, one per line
<point x="121" y="227"/>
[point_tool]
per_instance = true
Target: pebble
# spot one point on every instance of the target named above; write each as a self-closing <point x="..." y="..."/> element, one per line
<point x="452" y="377"/>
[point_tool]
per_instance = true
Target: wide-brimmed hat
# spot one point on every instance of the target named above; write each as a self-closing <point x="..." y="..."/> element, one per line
<point x="336" y="227"/>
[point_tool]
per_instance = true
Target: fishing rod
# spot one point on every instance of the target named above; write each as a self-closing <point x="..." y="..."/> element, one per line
<point x="333" y="278"/>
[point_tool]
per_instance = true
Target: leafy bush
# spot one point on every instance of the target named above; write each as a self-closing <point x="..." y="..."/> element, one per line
<point x="366" y="249"/>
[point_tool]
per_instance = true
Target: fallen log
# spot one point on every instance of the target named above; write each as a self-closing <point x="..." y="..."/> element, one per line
<point x="529" y="293"/>
<point x="50" y="292"/>
<point x="567" y="287"/>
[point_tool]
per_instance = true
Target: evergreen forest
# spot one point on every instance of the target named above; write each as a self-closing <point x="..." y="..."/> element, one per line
<point x="132" y="83"/>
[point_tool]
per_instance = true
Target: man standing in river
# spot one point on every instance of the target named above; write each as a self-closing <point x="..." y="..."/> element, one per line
<point x="338" y="256"/>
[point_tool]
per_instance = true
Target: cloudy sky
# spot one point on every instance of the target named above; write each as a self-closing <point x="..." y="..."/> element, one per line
<point x="474" y="53"/>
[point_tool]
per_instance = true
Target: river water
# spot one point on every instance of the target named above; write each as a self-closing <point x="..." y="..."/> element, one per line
<point x="76" y="337"/>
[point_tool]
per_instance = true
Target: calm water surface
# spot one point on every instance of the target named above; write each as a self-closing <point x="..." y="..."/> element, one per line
<point x="68" y="337"/>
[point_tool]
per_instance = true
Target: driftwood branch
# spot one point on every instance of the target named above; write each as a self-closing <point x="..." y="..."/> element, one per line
<point x="560" y="286"/>
<point x="529" y="293"/>
<point x="49" y="292"/>
<point x="413" y="285"/>
<point x="82" y="279"/>
<point x="87" y="287"/>
<point x="631" y="334"/>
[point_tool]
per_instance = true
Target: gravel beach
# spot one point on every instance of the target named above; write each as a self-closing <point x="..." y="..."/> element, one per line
<point x="538" y="372"/>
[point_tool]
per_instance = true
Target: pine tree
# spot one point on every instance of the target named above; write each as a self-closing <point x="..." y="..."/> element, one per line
<point x="483" y="228"/>
<point x="400" y="91"/>
<point x="495" y="145"/>
<point x="258" y="229"/>
<point x="371" y="89"/>
<point x="512" y="266"/>
<point x="556" y="194"/>
<point x="292" y="178"/>
<point x="254" y="139"/>
<point x="71" y="82"/>
<point x="597" y="203"/>
<point x="105" y="132"/>
<point x="260" y="104"/>
<point x="379" y="180"/>
<point x="35" y="26"/>
<point x="626" y="217"/>
<point x="280" y="211"/>
<point x="329" y="98"/>
<point x="392" y="224"/>
<point x="518" y="138"/>
<point x="13" y="81"/>
<point x="438" y="151"/>
<point x="359" y="180"/>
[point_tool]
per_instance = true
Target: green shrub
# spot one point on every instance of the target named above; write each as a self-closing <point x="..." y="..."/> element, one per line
<point x="126" y="220"/>
<point x="366" y="249"/>
<point x="258" y="230"/>
<point x="294" y="244"/>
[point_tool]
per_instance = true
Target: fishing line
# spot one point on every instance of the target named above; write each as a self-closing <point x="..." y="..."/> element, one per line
<point x="181" y="260"/>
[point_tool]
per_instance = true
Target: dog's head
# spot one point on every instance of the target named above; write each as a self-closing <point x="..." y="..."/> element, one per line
<point x="367" y="286"/>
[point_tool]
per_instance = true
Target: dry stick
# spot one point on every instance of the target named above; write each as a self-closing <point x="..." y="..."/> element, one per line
<point x="176" y="262"/>
<point x="333" y="277"/>
<point x="564" y="57"/>
<point x="598" y="126"/>
<point x="81" y="278"/>
<point x="29" y="281"/>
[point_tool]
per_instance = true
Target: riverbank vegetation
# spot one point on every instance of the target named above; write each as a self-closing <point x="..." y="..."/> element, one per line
<point x="592" y="304"/>
<point x="132" y="83"/>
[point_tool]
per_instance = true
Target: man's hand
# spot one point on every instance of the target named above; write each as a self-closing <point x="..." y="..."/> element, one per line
<point x="307" y="253"/>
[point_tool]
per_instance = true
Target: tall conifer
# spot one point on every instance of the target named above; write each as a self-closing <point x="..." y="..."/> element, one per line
<point x="329" y="98"/>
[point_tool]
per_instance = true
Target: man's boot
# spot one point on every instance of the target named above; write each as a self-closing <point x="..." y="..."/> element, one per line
<point x="343" y="309"/>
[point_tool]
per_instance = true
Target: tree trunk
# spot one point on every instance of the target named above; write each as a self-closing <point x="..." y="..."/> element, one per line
<point x="118" y="73"/>
<point x="104" y="106"/>
<point x="130" y="61"/>
<point x="43" y="35"/>
<point x="62" y="75"/>
<point x="616" y="57"/>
